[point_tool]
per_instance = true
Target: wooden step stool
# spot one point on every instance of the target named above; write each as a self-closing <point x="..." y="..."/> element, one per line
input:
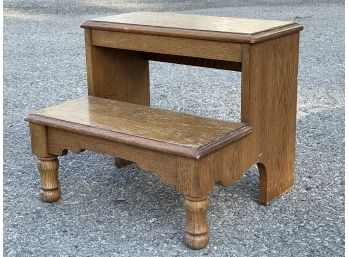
<point x="191" y="152"/>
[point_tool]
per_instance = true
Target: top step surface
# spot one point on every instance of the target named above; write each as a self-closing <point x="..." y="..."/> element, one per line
<point x="195" y="26"/>
<point x="152" y="128"/>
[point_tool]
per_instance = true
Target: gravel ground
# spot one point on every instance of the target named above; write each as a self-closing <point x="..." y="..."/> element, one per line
<point x="109" y="212"/>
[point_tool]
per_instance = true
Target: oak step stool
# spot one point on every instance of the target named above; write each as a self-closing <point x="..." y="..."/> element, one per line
<point x="193" y="153"/>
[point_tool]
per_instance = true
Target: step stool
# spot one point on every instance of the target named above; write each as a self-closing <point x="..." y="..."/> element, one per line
<point x="191" y="152"/>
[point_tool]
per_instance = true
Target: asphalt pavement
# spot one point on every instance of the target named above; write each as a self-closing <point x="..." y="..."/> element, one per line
<point x="105" y="211"/>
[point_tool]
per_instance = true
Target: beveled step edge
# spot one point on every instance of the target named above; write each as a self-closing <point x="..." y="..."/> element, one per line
<point x="224" y="140"/>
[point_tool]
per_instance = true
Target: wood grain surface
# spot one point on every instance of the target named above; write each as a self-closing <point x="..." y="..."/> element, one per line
<point x="136" y="124"/>
<point x="194" y="22"/>
<point x="199" y="48"/>
<point x="269" y="99"/>
<point x="194" y="26"/>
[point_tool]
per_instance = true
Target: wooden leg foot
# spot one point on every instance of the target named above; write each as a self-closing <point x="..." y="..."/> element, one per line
<point x="196" y="228"/>
<point x="119" y="162"/>
<point x="49" y="183"/>
<point x="273" y="182"/>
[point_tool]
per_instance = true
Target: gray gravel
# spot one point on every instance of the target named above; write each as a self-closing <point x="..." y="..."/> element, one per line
<point x="105" y="211"/>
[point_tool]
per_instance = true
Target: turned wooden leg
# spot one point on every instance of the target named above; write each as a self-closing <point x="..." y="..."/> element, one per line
<point x="120" y="163"/>
<point x="49" y="183"/>
<point x="196" y="228"/>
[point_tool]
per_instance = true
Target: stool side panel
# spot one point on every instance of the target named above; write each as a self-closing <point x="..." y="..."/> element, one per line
<point x="269" y="98"/>
<point x="117" y="74"/>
